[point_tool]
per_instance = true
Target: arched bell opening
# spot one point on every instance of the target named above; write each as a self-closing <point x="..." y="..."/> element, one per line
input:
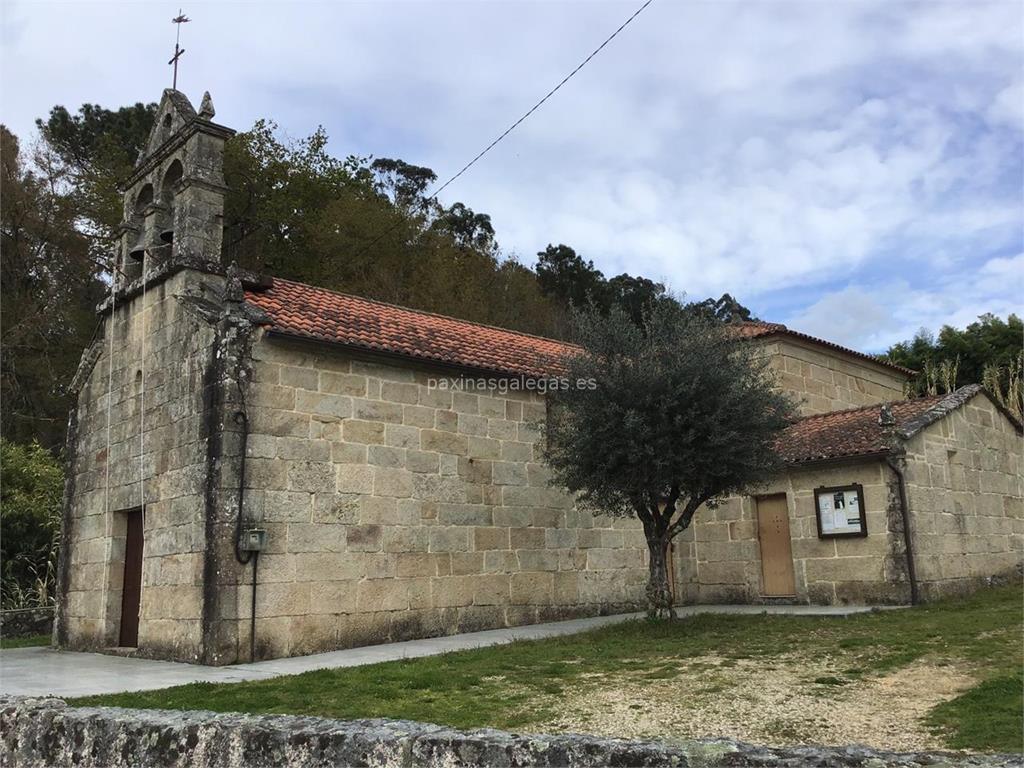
<point x="142" y="201"/>
<point x="166" y="127"/>
<point x="168" y="192"/>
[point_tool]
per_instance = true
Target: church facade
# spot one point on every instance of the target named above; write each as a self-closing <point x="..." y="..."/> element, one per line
<point x="260" y="468"/>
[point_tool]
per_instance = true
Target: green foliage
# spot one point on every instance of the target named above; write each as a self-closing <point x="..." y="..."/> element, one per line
<point x="1006" y="383"/>
<point x="988" y="716"/>
<point x="662" y="418"/>
<point x="517" y="685"/>
<point x="466" y="228"/>
<point x="725" y="309"/>
<point x="637" y="297"/>
<point x="404" y="184"/>
<point x="367" y="228"/>
<point x="564" y="275"/>
<point x="680" y="410"/>
<point x="81" y="139"/>
<point x="96" y="149"/>
<point x="50" y="288"/>
<point x="31" y="641"/>
<point x="959" y="357"/>
<point x="31" y="489"/>
<point x="280" y="194"/>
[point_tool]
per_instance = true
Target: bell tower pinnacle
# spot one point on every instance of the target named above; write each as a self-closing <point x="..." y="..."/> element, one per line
<point x="174" y="200"/>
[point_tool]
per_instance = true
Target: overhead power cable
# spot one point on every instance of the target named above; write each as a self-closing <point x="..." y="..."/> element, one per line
<point x="525" y="115"/>
<point x="547" y="96"/>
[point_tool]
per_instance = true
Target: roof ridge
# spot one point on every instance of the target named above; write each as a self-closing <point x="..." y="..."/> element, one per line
<point x="782" y="328"/>
<point x="544" y="347"/>
<point x="427" y="312"/>
<point x="853" y="409"/>
<point x="943" y="406"/>
<point x="763" y="323"/>
<point x="856" y="432"/>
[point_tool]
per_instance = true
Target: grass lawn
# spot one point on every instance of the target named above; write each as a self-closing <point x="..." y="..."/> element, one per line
<point x="24" y="642"/>
<point x="943" y="675"/>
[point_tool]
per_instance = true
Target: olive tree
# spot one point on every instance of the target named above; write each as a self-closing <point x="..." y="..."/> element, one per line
<point x="660" y="419"/>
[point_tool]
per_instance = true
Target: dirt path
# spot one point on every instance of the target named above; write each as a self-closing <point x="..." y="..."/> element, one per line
<point x="797" y="701"/>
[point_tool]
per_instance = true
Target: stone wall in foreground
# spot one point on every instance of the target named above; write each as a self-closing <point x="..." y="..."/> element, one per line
<point x="24" y="622"/>
<point x="46" y="732"/>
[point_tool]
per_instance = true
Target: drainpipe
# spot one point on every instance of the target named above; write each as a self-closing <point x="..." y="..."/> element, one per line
<point x="241" y="556"/>
<point x="234" y="297"/>
<point x="887" y="421"/>
<point x="894" y="463"/>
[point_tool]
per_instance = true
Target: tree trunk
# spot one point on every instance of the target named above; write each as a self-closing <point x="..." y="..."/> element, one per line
<point x="659" y="597"/>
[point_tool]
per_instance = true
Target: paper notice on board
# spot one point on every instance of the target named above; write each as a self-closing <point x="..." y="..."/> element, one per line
<point x="839" y="512"/>
<point x="825" y="514"/>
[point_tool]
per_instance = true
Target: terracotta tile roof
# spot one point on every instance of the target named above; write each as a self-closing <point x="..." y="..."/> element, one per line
<point x="316" y="313"/>
<point x="304" y="311"/>
<point x="751" y="329"/>
<point x="856" y="432"/>
<point x="756" y="329"/>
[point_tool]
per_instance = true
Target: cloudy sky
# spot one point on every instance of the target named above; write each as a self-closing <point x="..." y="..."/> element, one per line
<point x="851" y="168"/>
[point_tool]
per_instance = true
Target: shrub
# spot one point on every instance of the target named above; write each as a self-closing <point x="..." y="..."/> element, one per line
<point x="31" y="489"/>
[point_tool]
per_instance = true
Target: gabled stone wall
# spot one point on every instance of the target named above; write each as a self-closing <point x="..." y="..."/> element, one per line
<point x="140" y="442"/>
<point x="965" y="485"/>
<point x="824" y="380"/>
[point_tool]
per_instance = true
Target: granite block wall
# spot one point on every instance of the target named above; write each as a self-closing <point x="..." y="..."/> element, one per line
<point x="824" y="381"/>
<point x="401" y="504"/>
<point x="719" y="559"/>
<point x="965" y="485"/>
<point x="139" y="442"/>
<point x="46" y="732"/>
<point x="397" y="509"/>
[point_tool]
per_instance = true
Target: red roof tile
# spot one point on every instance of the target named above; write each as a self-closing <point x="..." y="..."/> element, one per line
<point x="854" y="432"/>
<point x="755" y="329"/>
<point x="309" y="312"/>
<point x="319" y="314"/>
<point x="751" y="329"/>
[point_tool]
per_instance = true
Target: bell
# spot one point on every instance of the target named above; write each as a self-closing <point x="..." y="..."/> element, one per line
<point x="138" y="251"/>
<point x="167" y="235"/>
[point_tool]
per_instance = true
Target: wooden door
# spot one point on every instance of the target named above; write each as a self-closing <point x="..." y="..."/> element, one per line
<point x="777" y="576"/>
<point x="131" y="590"/>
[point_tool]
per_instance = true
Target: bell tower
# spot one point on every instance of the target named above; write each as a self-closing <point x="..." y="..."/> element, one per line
<point x="174" y="200"/>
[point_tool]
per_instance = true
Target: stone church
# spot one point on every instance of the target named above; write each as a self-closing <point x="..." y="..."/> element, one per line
<point x="260" y="468"/>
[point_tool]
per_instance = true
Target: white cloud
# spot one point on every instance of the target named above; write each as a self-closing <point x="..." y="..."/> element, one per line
<point x="872" y="317"/>
<point x="777" y="151"/>
<point x="1008" y="106"/>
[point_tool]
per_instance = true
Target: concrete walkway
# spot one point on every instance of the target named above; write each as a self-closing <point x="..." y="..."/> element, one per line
<point x="44" y="671"/>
